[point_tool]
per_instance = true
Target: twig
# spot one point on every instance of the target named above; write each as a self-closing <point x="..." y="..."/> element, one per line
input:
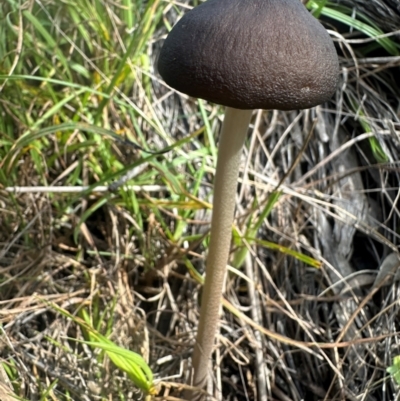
<point x="77" y="189"/>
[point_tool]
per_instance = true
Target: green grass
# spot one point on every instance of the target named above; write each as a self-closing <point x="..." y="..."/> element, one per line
<point x="84" y="63"/>
<point x="76" y="79"/>
<point x="359" y="22"/>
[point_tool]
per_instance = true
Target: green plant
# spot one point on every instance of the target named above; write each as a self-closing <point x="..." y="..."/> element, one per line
<point x="125" y="360"/>
<point x="394" y="369"/>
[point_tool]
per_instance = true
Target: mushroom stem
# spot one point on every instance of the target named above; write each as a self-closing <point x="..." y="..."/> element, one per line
<point x="233" y="134"/>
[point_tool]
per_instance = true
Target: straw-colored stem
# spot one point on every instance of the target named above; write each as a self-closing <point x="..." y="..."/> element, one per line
<point x="233" y="134"/>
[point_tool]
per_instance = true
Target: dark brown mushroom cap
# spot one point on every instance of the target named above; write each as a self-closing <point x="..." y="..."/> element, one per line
<point x="251" y="54"/>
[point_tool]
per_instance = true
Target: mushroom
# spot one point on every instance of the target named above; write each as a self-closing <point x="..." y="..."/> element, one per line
<point x="245" y="55"/>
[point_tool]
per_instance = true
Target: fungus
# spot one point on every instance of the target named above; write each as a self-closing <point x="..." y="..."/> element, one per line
<point x="245" y="55"/>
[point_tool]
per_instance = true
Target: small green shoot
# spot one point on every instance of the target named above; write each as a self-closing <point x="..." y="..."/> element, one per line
<point x="394" y="370"/>
<point x="125" y="360"/>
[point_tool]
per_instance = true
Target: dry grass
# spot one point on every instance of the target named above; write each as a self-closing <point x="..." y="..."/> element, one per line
<point x="132" y="260"/>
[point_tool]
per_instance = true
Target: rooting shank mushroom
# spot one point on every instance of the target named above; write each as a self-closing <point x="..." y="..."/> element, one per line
<point x="243" y="54"/>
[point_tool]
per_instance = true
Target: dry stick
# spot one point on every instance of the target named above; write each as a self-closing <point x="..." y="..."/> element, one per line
<point x="233" y="134"/>
<point x="77" y="189"/>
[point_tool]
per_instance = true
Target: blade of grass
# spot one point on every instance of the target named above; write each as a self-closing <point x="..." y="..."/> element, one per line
<point x="252" y="229"/>
<point x="51" y="43"/>
<point x="134" y="48"/>
<point x="368" y="30"/>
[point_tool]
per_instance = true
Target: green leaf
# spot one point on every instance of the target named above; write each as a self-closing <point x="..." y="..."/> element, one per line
<point x="394" y="370"/>
<point x="128" y="361"/>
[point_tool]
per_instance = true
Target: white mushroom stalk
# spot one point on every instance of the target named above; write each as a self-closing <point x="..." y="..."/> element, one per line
<point x="233" y="134"/>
